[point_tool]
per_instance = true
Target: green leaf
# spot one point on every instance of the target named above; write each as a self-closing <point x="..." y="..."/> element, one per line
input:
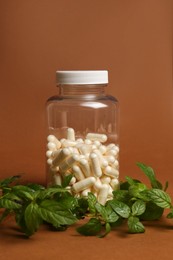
<point x="55" y="214"/>
<point x="91" y="202"/>
<point x="120" y="208"/>
<point x="67" y="180"/>
<point x="102" y="210"/>
<point x="91" y="228"/>
<point x="136" y="190"/>
<point x="122" y="195"/>
<point x="9" y="180"/>
<point x="23" y="191"/>
<point x="160" y="198"/>
<point x="125" y="185"/>
<point x="138" y="208"/>
<point x="152" y="212"/>
<point x="134" y="225"/>
<point x="149" y="172"/>
<point x="35" y="187"/>
<point x="9" y="204"/>
<point x="32" y="218"/>
<point x="166" y="186"/>
<point x="111" y="215"/>
<point x="107" y="230"/>
<point x="49" y="192"/>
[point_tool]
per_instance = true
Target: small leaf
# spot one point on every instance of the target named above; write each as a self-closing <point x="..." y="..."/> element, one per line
<point x="152" y="212"/>
<point x="129" y="180"/>
<point x="9" y="180"/>
<point x="102" y="210"/>
<point x="138" y="208"/>
<point x="91" y="228"/>
<point x="55" y="213"/>
<point x="149" y="172"/>
<point x="35" y="186"/>
<point x="170" y="214"/>
<point x="160" y="198"/>
<point x="32" y="218"/>
<point x="49" y="192"/>
<point x="136" y="190"/>
<point x="135" y="226"/>
<point x="9" y="204"/>
<point x="166" y="186"/>
<point x="111" y="215"/>
<point x="120" y="208"/>
<point x="67" y="180"/>
<point x="122" y="195"/>
<point x="107" y="230"/>
<point x="5" y="214"/>
<point x="91" y="202"/>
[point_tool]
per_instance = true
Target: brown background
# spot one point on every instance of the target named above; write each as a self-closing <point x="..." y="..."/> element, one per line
<point x="133" y="40"/>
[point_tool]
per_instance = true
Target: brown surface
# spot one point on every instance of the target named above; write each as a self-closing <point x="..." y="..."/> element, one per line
<point x="133" y="40"/>
<point x="155" y="243"/>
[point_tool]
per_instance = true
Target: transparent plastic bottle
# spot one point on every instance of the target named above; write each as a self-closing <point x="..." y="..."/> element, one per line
<point x="83" y="132"/>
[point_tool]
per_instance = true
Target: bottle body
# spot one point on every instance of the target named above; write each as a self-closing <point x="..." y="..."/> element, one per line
<point x="83" y="132"/>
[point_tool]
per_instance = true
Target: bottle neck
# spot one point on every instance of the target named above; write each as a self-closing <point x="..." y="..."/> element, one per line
<point x="82" y="91"/>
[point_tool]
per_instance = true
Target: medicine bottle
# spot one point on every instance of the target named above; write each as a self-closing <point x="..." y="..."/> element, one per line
<point x="83" y="133"/>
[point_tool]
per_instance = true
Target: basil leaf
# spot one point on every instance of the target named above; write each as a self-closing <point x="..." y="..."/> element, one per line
<point x="136" y="189"/>
<point x="111" y="215"/>
<point x="120" y="208"/>
<point x="149" y="172"/>
<point x="67" y="180"/>
<point x="9" y="180"/>
<point x="32" y="218"/>
<point x="134" y="225"/>
<point x="107" y="230"/>
<point x="138" y="208"/>
<point x="91" y="202"/>
<point x="170" y="214"/>
<point x="9" y="204"/>
<point x="122" y="195"/>
<point x="152" y="212"/>
<point x="160" y="198"/>
<point x="91" y="228"/>
<point x="55" y="214"/>
<point x="49" y="192"/>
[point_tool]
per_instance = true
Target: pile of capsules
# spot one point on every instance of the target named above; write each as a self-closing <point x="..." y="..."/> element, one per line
<point x="94" y="165"/>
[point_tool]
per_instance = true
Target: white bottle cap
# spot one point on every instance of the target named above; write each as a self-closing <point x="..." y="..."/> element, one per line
<point x="81" y="77"/>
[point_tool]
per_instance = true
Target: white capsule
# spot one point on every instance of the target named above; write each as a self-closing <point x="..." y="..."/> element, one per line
<point x="111" y="159"/>
<point x="115" y="184"/>
<point x="57" y="179"/>
<point x="53" y="139"/>
<point x="93" y="147"/>
<point x="55" y="153"/>
<point x="73" y="181"/>
<point x="116" y="148"/>
<point x="49" y="161"/>
<point x="105" y="180"/>
<point x="115" y="164"/>
<point x="102" y="149"/>
<point x="112" y="153"/>
<point x="83" y="184"/>
<point x="67" y="143"/>
<point x="97" y="137"/>
<point x="51" y="146"/>
<point x="110" y="194"/>
<point x="80" y="140"/>
<point x="70" y="134"/>
<point x="84" y="193"/>
<point x="97" y="143"/>
<point x="68" y="162"/>
<point x="97" y="185"/>
<point x="95" y="164"/>
<point x="103" y="194"/>
<point x="85" y="167"/>
<point x="112" y="172"/>
<point x="78" y="173"/>
<point x="49" y="153"/>
<point x="110" y="146"/>
<point x="87" y="141"/>
<point x="84" y="148"/>
<point x="64" y="153"/>
<point x="103" y="161"/>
